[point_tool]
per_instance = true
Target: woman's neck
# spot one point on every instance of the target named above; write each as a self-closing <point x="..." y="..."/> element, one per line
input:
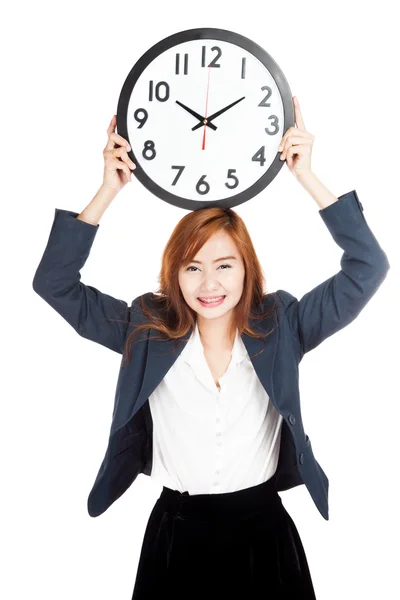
<point x="215" y="335"/>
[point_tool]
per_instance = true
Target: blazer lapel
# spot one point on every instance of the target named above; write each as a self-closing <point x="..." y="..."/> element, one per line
<point x="161" y="355"/>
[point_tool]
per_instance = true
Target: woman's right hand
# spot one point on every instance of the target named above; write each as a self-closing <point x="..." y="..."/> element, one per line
<point x="117" y="172"/>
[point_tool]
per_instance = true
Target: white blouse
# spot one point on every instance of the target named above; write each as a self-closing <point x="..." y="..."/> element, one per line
<point x="208" y="440"/>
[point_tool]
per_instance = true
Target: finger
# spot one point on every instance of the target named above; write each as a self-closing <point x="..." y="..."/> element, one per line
<point x="111" y="164"/>
<point x="293" y="140"/>
<point x="297" y="114"/>
<point x="301" y="150"/>
<point x="113" y="139"/>
<point x="297" y="139"/>
<point x="112" y="125"/>
<point x="122" y="154"/>
<point x="290" y="132"/>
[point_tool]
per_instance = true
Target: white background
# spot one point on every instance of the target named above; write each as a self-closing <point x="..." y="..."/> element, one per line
<point x="63" y="65"/>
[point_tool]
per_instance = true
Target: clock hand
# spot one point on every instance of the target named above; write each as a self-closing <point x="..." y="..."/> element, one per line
<point x="197" y="115"/>
<point x="215" y="115"/>
<point x="203" y="146"/>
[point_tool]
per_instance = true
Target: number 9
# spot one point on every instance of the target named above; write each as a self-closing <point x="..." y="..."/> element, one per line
<point x="141" y="120"/>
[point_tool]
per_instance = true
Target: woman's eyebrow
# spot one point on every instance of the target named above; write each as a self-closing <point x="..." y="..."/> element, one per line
<point x="216" y="260"/>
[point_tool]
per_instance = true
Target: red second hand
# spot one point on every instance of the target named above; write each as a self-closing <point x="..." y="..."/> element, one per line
<point x="205" y="125"/>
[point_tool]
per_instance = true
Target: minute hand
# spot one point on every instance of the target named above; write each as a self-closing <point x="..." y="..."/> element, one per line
<point x="215" y="115"/>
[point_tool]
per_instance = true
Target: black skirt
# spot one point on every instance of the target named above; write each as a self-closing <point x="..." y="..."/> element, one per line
<point x="236" y="545"/>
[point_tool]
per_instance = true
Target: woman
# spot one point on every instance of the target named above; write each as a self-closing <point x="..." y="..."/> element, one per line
<point x="224" y="439"/>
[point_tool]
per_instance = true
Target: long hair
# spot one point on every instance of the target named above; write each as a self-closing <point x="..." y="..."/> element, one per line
<point x="172" y="316"/>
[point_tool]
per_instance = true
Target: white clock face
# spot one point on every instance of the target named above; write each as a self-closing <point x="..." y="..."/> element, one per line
<point x="205" y="164"/>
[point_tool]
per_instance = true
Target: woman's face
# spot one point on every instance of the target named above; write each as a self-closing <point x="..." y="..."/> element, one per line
<point x="212" y="277"/>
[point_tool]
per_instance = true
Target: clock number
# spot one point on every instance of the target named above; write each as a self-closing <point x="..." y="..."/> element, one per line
<point x="177" y="64"/>
<point x="260" y="156"/>
<point x="149" y="147"/>
<point x="264" y="100"/>
<point x="179" y="174"/>
<point x="275" y="123"/>
<point x="141" y="120"/>
<point x="244" y="67"/>
<point x="202" y="182"/>
<point x="157" y="91"/>
<point x="213" y="62"/>
<point x="230" y="176"/>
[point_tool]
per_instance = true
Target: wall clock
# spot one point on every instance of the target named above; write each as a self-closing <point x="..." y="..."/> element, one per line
<point x="204" y="111"/>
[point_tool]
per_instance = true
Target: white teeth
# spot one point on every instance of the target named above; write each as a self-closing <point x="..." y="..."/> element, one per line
<point x="210" y="301"/>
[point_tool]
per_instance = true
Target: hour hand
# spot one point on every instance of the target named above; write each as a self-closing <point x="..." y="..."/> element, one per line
<point x="197" y="115"/>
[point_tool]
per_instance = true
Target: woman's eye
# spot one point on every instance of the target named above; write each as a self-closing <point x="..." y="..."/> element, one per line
<point x="192" y="267"/>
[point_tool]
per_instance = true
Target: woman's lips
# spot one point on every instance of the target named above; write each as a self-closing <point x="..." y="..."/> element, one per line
<point x="216" y="303"/>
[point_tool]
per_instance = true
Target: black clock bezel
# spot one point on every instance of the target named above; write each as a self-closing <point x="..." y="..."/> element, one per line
<point x="199" y="34"/>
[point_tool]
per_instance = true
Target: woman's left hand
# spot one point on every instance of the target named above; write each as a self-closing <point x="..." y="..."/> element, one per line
<point x="296" y="145"/>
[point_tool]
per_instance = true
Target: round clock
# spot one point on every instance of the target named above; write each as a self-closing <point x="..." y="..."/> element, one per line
<point x="204" y="111"/>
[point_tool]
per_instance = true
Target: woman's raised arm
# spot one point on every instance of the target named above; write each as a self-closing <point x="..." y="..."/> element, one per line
<point x="94" y="315"/>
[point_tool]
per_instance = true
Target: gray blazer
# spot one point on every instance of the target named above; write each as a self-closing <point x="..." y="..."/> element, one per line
<point x="297" y="327"/>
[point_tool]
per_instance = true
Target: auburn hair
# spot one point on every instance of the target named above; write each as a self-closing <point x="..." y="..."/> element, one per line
<point x="173" y="317"/>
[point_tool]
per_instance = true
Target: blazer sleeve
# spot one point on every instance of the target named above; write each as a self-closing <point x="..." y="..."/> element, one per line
<point x="94" y="315"/>
<point x="336" y="302"/>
